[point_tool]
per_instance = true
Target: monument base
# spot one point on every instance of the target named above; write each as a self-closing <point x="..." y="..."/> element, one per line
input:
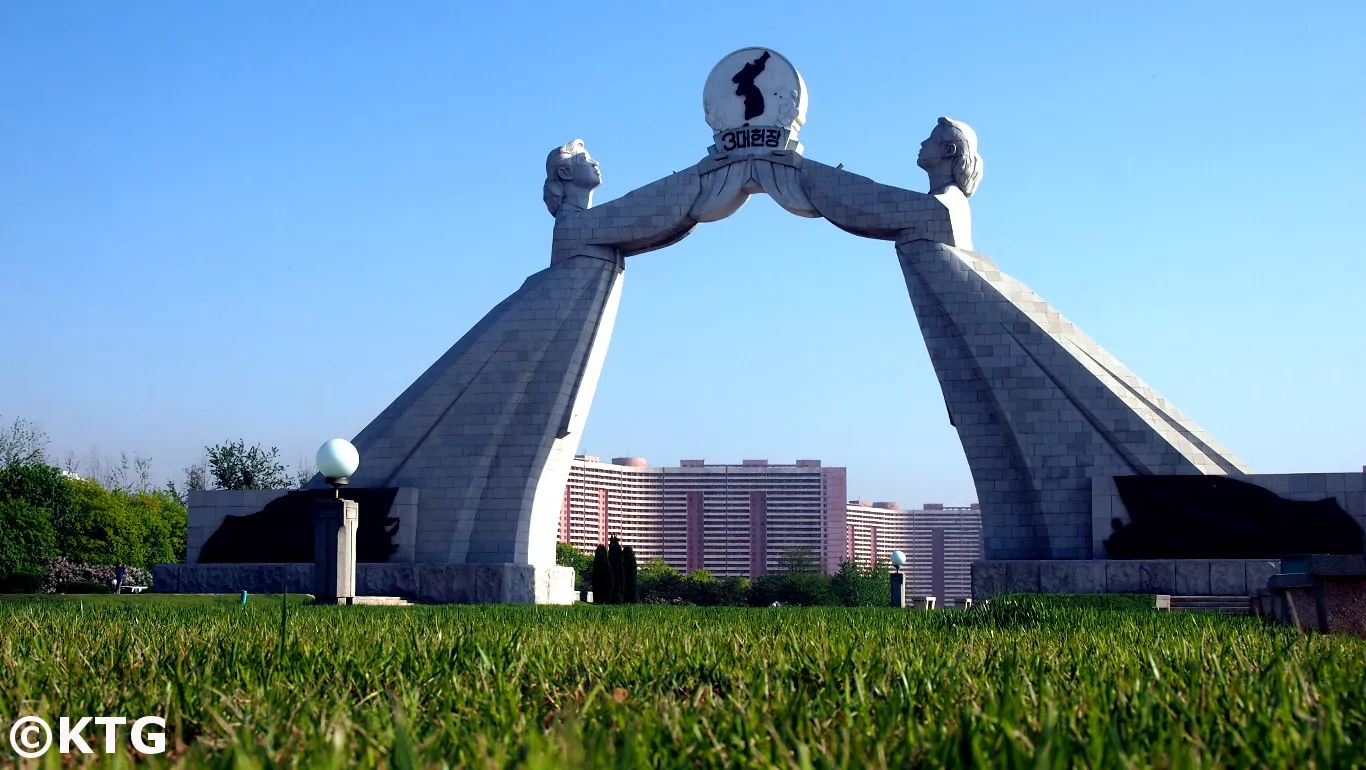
<point x="427" y="583"/>
<point x="1179" y="577"/>
<point x="1319" y="592"/>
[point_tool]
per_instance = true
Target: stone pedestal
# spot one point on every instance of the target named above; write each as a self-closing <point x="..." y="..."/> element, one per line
<point x="898" y="590"/>
<point x="335" y="522"/>
<point x="1321" y="593"/>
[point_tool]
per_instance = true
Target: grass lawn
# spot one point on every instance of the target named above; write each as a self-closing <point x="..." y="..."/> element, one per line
<point x="1023" y="682"/>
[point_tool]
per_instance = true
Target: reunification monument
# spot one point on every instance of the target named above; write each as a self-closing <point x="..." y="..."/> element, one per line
<point x="1048" y="420"/>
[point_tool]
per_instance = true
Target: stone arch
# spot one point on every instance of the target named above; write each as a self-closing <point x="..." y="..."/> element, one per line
<point x="487" y="433"/>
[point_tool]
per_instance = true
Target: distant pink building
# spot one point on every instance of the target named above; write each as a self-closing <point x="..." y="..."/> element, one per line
<point x="727" y="519"/>
<point x="740" y="519"/>
<point x="940" y="543"/>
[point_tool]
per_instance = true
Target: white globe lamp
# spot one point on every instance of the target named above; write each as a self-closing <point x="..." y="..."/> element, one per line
<point x="898" y="560"/>
<point x="337" y="461"/>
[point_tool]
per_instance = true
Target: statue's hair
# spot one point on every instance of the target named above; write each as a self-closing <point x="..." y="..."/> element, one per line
<point x="553" y="192"/>
<point x="967" y="166"/>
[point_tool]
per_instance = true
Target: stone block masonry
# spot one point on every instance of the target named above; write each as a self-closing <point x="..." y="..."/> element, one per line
<point x="1040" y="408"/>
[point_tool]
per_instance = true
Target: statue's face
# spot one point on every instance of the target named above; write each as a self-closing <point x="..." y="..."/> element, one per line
<point x="932" y="151"/>
<point x="582" y="171"/>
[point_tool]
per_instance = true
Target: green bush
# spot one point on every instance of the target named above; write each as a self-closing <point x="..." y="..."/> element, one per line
<point x="566" y="555"/>
<point x="657" y="582"/>
<point x="106" y="527"/>
<point x="26" y="539"/>
<point x="734" y="592"/>
<point x="22" y="583"/>
<point x="86" y="523"/>
<point x="39" y="486"/>
<point x="859" y="586"/>
<point x="802" y="589"/>
<point x="83" y="587"/>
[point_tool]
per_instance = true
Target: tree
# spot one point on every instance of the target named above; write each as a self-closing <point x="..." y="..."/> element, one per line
<point x="797" y="588"/>
<point x="165" y="520"/>
<point x="617" y="561"/>
<point x="305" y="471"/>
<point x="234" y="466"/>
<point x="602" y="577"/>
<point x="100" y="529"/>
<point x="195" y="480"/>
<point x="41" y="486"/>
<point x="115" y="527"/>
<point x="23" y="443"/>
<point x="126" y="475"/>
<point x="804" y="560"/>
<point x="566" y="555"/>
<point x="629" y="593"/>
<point x="701" y="588"/>
<point x="26" y="539"/>
<point x="734" y="592"/>
<point x="657" y="581"/>
<point x="858" y="586"/>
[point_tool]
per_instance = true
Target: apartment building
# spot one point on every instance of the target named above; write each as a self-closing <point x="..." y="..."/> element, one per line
<point x="739" y="519"/>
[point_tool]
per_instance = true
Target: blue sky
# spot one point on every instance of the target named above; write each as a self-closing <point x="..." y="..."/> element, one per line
<point x="263" y="220"/>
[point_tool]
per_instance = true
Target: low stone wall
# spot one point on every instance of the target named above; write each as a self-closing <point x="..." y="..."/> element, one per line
<point x="1180" y="577"/>
<point x="430" y="583"/>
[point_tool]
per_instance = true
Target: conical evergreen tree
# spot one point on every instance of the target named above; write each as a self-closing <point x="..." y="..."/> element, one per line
<point x="602" y="577"/>
<point x="629" y="593"/>
<point x="618" y="563"/>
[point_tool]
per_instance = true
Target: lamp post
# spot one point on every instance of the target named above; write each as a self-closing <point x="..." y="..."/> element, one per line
<point x="898" y="599"/>
<point x="335" y="521"/>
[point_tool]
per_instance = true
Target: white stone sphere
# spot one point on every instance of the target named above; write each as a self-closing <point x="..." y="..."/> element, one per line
<point x="898" y="558"/>
<point x="338" y="459"/>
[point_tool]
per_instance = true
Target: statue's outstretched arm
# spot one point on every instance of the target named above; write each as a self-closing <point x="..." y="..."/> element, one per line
<point x="866" y="208"/>
<point x="647" y="218"/>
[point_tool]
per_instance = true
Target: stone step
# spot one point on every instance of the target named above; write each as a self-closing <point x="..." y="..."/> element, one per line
<point x="383" y="601"/>
<point x="1228" y="605"/>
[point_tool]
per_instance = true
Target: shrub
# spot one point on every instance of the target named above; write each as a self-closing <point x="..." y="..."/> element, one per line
<point x="41" y="486"/>
<point x="798" y="588"/>
<point x="62" y="571"/>
<point x="83" y="587"/>
<point x="858" y="586"/>
<point x="26" y="539"/>
<point x="166" y="521"/>
<point x="734" y="592"/>
<point x="23" y="582"/>
<point x="701" y="588"/>
<point x="106" y="527"/>
<point x="658" y="583"/>
<point x="566" y="555"/>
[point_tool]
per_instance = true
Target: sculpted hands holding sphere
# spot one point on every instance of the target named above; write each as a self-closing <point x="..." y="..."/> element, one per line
<point x="755" y="102"/>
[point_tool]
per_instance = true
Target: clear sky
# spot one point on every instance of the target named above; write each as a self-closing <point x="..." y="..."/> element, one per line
<point x="263" y="220"/>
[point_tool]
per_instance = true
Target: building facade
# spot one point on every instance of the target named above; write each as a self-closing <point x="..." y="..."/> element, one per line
<point x="726" y="519"/>
<point x="940" y="543"/>
<point x="739" y="520"/>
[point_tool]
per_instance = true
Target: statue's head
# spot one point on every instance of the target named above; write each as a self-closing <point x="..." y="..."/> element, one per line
<point x="571" y="175"/>
<point x="950" y="157"/>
